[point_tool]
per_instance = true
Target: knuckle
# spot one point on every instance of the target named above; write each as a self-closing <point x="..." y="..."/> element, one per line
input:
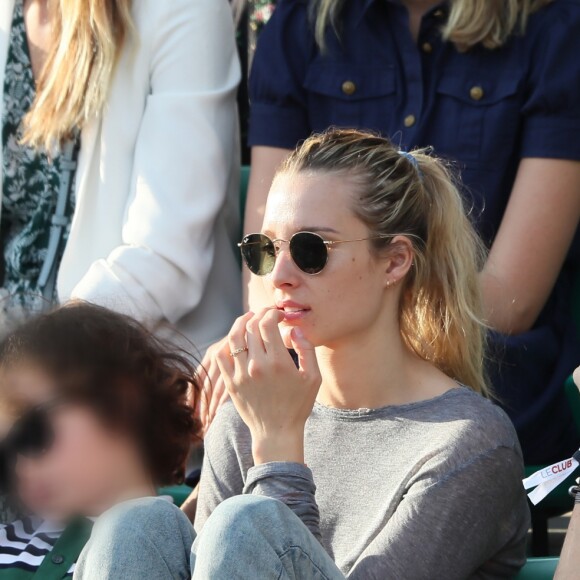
<point x="240" y="324"/>
<point x="263" y="312"/>
<point x="253" y="326"/>
<point x="266" y="323"/>
<point x="255" y="370"/>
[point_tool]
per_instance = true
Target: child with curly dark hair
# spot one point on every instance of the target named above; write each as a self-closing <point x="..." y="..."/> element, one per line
<point x="97" y="414"/>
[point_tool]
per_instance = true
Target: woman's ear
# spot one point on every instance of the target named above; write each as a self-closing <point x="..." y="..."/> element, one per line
<point x="398" y="260"/>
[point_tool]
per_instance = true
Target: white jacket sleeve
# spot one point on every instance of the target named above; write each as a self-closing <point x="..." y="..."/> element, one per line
<point x="183" y="159"/>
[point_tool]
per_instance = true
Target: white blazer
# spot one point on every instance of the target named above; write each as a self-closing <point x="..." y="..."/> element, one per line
<point x="157" y="210"/>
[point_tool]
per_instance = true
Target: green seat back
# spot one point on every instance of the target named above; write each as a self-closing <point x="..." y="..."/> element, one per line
<point x="538" y="569"/>
<point x="559" y="501"/>
<point x="179" y="493"/>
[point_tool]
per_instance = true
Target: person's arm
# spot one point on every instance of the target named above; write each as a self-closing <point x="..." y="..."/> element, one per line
<point x="570" y="557"/>
<point x="229" y="470"/>
<point x="456" y="525"/>
<point x="183" y="160"/>
<point x="544" y="206"/>
<point x="265" y="162"/>
<point x="227" y="458"/>
<point x="189" y="506"/>
<point x="274" y="399"/>
<point x="535" y="234"/>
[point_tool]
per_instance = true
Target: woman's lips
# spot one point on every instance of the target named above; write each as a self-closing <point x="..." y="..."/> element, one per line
<point x="294" y="315"/>
<point x="293" y="312"/>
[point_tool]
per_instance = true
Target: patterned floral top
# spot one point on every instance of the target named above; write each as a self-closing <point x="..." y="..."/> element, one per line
<point x="30" y="191"/>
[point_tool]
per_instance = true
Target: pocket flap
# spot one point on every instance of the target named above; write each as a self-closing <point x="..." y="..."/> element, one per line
<point x="351" y="83"/>
<point x="470" y="89"/>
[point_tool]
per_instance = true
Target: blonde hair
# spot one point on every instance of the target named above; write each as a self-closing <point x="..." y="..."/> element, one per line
<point x="414" y="194"/>
<point x="470" y="22"/>
<point x="87" y="38"/>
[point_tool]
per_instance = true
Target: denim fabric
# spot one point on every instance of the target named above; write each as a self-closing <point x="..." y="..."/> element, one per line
<point x="246" y="538"/>
<point x="143" y="539"/>
<point x="250" y="537"/>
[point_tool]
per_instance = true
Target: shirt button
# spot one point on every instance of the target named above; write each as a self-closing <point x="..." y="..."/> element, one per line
<point x="476" y="93"/>
<point x="57" y="559"/>
<point x="427" y="47"/>
<point x="409" y="120"/>
<point x="348" y="88"/>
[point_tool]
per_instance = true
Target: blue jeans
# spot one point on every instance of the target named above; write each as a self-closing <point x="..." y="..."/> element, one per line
<point x="246" y="538"/>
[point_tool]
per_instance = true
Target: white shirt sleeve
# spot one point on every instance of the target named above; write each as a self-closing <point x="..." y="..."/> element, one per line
<point x="183" y="159"/>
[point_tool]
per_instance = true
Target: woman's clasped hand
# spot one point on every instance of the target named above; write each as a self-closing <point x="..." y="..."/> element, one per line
<point x="272" y="395"/>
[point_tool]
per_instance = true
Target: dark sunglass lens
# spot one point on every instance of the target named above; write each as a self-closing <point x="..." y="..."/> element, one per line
<point x="259" y="254"/>
<point x="309" y="252"/>
<point x="32" y="434"/>
<point x="6" y="468"/>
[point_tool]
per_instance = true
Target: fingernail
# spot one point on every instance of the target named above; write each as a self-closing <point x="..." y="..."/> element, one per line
<point x="298" y="333"/>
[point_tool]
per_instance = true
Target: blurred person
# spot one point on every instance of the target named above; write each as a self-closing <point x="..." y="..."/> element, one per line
<point x="493" y="86"/>
<point x="120" y="160"/>
<point x="99" y="418"/>
<point x="379" y="457"/>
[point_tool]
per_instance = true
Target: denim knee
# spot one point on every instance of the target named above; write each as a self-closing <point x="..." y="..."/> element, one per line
<point x="245" y="516"/>
<point x="149" y="516"/>
<point x="142" y="538"/>
<point x="143" y="513"/>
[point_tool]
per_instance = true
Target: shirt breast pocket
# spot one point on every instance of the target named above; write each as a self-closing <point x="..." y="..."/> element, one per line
<point x="480" y="117"/>
<point x="349" y="95"/>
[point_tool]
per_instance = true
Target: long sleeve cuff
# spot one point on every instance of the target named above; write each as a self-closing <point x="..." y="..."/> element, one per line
<point x="290" y="483"/>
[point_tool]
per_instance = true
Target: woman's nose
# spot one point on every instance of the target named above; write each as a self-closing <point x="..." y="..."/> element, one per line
<point x="285" y="272"/>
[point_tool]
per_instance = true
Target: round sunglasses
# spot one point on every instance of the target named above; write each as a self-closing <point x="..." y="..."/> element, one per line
<point x="309" y="251"/>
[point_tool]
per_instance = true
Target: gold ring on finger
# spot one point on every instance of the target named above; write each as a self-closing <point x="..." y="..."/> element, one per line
<point x="238" y="351"/>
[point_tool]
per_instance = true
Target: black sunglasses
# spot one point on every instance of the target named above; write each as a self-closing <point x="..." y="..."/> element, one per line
<point x="309" y="251"/>
<point x="31" y="436"/>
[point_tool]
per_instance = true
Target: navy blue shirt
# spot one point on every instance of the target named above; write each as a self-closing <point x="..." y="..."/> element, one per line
<point x="484" y="109"/>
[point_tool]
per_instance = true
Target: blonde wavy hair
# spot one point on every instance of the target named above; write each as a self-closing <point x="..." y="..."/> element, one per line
<point x="470" y="22"/>
<point x="441" y="307"/>
<point x="87" y="38"/>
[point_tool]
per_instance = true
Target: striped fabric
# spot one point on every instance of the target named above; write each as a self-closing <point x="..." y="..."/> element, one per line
<point x="25" y="543"/>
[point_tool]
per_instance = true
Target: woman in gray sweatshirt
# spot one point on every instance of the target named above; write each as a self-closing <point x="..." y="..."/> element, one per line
<point x="369" y="459"/>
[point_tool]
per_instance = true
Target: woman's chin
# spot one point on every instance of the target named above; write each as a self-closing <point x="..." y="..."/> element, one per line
<point x="286" y="332"/>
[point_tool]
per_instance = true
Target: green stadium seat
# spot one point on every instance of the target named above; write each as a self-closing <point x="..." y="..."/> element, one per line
<point x="538" y="569"/>
<point x="179" y="493"/>
<point x="558" y="502"/>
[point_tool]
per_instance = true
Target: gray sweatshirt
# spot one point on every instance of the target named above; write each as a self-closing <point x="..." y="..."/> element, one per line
<point x="426" y="490"/>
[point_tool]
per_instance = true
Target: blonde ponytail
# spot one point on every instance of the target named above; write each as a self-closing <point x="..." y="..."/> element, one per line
<point x="87" y="38"/>
<point x="442" y="308"/>
<point x="414" y="194"/>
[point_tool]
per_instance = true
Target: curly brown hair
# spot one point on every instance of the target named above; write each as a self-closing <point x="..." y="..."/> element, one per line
<point x="135" y="382"/>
